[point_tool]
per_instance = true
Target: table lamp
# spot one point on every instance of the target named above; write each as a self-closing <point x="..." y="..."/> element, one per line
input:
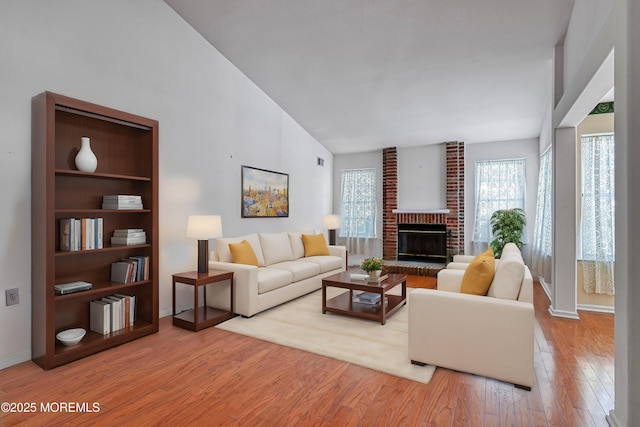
<point x="203" y="228"/>
<point x="331" y="223"/>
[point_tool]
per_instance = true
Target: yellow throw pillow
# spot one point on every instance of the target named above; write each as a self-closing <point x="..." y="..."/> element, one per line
<point x="478" y="275"/>
<point x="242" y="253"/>
<point x="314" y="245"/>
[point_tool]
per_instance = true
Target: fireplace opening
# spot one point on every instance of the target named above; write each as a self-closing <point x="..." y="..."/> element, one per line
<point x="422" y="242"/>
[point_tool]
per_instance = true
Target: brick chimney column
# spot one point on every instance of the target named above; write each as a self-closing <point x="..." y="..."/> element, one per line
<point x="389" y="202"/>
<point x="455" y="196"/>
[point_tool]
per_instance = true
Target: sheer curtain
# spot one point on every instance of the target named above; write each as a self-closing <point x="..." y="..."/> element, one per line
<point x="597" y="214"/>
<point x="500" y="184"/>
<point x="358" y="211"/>
<point x="541" y="260"/>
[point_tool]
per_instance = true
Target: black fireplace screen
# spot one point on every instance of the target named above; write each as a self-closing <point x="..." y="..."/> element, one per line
<point x="422" y="242"/>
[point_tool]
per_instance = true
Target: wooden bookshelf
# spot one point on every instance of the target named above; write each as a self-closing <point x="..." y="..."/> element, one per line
<point x="126" y="146"/>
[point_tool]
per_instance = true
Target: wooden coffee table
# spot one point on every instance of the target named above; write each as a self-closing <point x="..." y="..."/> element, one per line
<point x="343" y="303"/>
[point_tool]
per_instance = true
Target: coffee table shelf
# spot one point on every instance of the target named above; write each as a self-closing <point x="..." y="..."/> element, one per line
<point x="343" y="303"/>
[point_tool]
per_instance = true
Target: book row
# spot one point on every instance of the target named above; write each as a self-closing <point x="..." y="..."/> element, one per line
<point x="112" y="313"/>
<point x="132" y="269"/>
<point x="81" y="234"/>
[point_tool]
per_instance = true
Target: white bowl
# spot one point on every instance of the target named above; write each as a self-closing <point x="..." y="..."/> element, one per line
<point x="71" y="337"/>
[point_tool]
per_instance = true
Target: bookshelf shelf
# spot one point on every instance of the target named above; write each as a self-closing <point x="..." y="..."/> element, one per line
<point x="94" y="342"/>
<point x="107" y="248"/>
<point x="96" y="175"/>
<point x="126" y="147"/>
<point x="101" y="289"/>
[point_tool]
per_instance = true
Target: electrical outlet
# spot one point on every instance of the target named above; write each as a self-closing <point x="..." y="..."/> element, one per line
<point x="13" y="296"/>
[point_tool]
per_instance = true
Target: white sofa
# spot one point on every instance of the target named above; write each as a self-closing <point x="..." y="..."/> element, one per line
<point x="460" y="262"/>
<point x="491" y="335"/>
<point x="283" y="272"/>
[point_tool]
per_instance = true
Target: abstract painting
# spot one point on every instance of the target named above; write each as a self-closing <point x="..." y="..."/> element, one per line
<point x="265" y="194"/>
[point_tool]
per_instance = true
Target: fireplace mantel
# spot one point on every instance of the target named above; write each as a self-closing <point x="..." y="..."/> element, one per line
<point x="421" y="211"/>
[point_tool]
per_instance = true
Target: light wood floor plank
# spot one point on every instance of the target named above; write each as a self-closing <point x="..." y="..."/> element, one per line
<point x="178" y="377"/>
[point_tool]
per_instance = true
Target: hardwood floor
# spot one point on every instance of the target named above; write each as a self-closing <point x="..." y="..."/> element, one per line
<point x="214" y="377"/>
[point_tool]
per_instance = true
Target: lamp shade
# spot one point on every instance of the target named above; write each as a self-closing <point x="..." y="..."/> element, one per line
<point x="331" y="222"/>
<point x="204" y="227"/>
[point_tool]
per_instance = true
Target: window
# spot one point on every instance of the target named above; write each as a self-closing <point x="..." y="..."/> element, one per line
<point x="541" y="260"/>
<point x="542" y="234"/>
<point x="358" y="203"/>
<point x="598" y="198"/>
<point x="597" y="223"/>
<point x="500" y="184"/>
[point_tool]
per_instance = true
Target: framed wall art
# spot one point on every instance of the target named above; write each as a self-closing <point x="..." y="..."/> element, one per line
<point x="265" y="194"/>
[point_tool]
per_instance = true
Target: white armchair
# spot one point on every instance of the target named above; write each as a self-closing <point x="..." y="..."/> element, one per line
<point x="482" y="335"/>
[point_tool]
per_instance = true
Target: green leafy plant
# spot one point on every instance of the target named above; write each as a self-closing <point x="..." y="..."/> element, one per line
<point x="507" y="226"/>
<point x="371" y="264"/>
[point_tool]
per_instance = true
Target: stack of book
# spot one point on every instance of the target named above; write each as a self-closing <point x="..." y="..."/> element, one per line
<point x="122" y="202"/>
<point x="129" y="236"/>
<point x="132" y="269"/>
<point x="112" y="313"/>
<point x="368" y="299"/>
<point x="81" y="234"/>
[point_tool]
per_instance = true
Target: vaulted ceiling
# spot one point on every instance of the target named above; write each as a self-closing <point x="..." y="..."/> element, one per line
<point x="360" y="75"/>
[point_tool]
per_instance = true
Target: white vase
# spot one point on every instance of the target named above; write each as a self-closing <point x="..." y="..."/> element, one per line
<point x="86" y="161"/>
<point x="375" y="274"/>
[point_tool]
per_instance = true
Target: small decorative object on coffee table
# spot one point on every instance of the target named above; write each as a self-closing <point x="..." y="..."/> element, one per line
<point x="372" y="265"/>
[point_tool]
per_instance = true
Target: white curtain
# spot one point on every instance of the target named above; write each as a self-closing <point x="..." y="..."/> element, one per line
<point x="500" y="184"/>
<point x="541" y="259"/>
<point x="597" y="214"/>
<point x="358" y="211"/>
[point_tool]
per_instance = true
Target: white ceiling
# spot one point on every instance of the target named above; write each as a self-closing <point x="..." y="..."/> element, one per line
<point x="361" y="75"/>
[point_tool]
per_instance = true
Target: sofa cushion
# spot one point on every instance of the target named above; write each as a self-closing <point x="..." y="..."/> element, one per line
<point x="276" y="247"/>
<point x="326" y="262"/>
<point x="224" y="254"/>
<point x="478" y="275"/>
<point x="242" y="253"/>
<point x="299" y="269"/>
<point x="272" y="278"/>
<point x="297" y="247"/>
<point x="507" y="280"/>
<point x="511" y="249"/>
<point x="314" y="245"/>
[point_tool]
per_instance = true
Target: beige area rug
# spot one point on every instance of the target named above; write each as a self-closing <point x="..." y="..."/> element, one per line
<point x="300" y="324"/>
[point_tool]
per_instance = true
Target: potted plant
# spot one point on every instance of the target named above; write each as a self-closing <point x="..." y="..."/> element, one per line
<point x="507" y="226"/>
<point x="372" y="265"/>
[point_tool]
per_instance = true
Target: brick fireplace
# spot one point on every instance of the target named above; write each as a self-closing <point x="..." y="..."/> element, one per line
<point x="452" y="217"/>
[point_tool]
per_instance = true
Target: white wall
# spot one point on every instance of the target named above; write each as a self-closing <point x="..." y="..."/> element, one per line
<point x="525" y="148"/>
<point x="422" y="173"/>
<point x="588" y="18"/>
<point x="619" y="29"/>
<point x="141" y="57"/>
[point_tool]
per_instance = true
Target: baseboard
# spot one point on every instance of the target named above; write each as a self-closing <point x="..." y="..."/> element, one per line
<point x="564" y="314"/>
<point x="545" y="287"/>
<point x="597" y="308"/>
<point x="15" y="358"/>
<point x="569" y="315"/>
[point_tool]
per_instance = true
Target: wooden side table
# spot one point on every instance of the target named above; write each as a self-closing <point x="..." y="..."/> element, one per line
<point x="201" y="317"/>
